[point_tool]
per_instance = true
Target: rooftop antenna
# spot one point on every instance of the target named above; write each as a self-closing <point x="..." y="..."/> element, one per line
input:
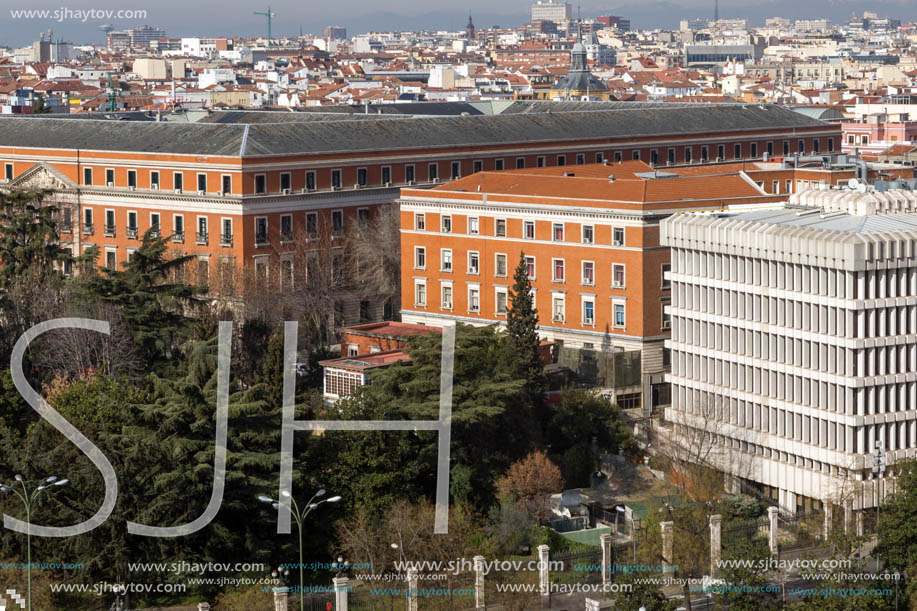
<point x="267" y="14"/>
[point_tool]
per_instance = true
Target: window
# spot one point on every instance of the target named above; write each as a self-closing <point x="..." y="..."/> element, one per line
<point x="472" y="224"/>
<point x="109" y="178"/>
<point x="815" y="145"/>
<point x="619" y="315"/>
<point x="617" y="276"/>
<point x="754" y="150"/>
<point x="558" y="270"/>
<point x="770" y="148"/>
<point x="520" y="162"/>
<point x="802" y="144"/>
<point x="558" y="309"/>
<point x="131" y="224"/>
<point x="786" y="146"/>
<point x="501" y="301"/>
<point x="310" y="181"/>
<point x="474" y="300"/>
<point x="600" y="157"/>
<point x="528" y="230"/>
<point x="285" y="181"/>
<point x="557" y="234"/>
<point x="353" y="350"/>
<point x="666" y="317"/>
<point x="202" y="233"/>
<point x="500" y="265"/>
<point x="539" y="162"/>
<point x="226" y="236"/>
<point x="336" y="179"/>
<point x="419" y="221"/>
<point x="178" y="180"/>
<point x="386" y="175"/>
<point x="337" y="222"/>
<point x="498" y="164"/>
<point x="580" y="159"/>
<point x="588" y="312"/>
<point x="654" y="157"/>
<point x="635" y="155"/>
<point x="477" y="166"/>
<point x="775" y="187"/>
<point x="447" y="297"/>
<point x="420" y="257"/>
<point x="109" y="223"/>
<point x="720" y="152"/>
<point x="688" y="153"/>
<point x="561" y="160"/>
<point x="312" y="225"/>
<point x="110" y="259"/>
<point x="362" y="177"/>
<point x="226" y="183"/>
<point x="737" y="152"/>
<point x="87" y="174"/>
<point x="588" y="234"/>
<point x="830" y="145"/>
<point x="433" y="171"/>
<point x="588" y="273"/>
<point x="456" y="170"/>
<point x="474" y="266"/>
<point x="154" y="179"/>
<point x="617" y="236"/>
<point x="202" y="183"/>
<point x="671" y="155"/>
<point x="445" y="257"/>
<point x="286" y="227"/>
<point x="8" y="171"/>
<point x="420" y="294"/>
<point x="530" y="267"/>
<point x="154" y="223"/>
<point x="666" y="283"/>
<point x="87" y="220"/>
<point x="132" y="178"/>
<point x="260" y="230"/>
<point x="445" y="223"/>
<point x="260" y="183"/>
<point x="705" y="153"/>
<point x="500" y="228"/>
<point x="363" y="216"/>
<point x="409" y="173"/>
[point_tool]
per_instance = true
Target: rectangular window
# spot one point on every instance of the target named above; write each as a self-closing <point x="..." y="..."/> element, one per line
<point x="409" y="174"/>
<point x="600" y="157"/>
<point x="557" y="233"/>
<point x="580" y="159"/>
<point x="830" y="145"/>
<point x="312" y="225"/>
<point x="474" y="266"/>
<point x="666" y="283"/>
<point x="87" y="220"/>
<point x="737" y="152"/>
<point x="202" y="231"/>
<point x="132" y="223"/>
<point x="815" y="145"/>
<point x="337" y="222"/>
<point x="530" y="267"/>
<point x="154" y="223"/>
<point x="202" y="274"/>
<point x="109" y="222"/>
<point x="786" y="146"/>
<point x="500" y="228"/>
<point x="619" y="315"/>
<point x="770" y="148"/>
<point x="635" y="155"/>
<point x="558" y="309"/>
<point x="310" y="181"/>
<point x="473" y="225"/>
<point x="226" y="184"/>
<point x="528" y="230"/>
<point x="362" y="177"/>
<point x="705" y="153"/>
<point x="654" y="157"/>
<point x="286" y="181"/>
<point x="501" y="301"/>
<point x="539" y="162"/>
<point x="666" y="317"/>
<point x="154" y="179"/>
<point x="802" y="144"/>
<point x="286" y="227"/>
<point x="498" y="164"/>
<point x="477" y="166"/>
<point x="447" y="297"/>
<point x="617" y="236"/>
<point x="261" y="230"/>
<point x="588" y="312"/>
<point x="178" y="180"/>
<point x="474" y="300"/>
<point x="720" y="152"/>
<point x="419" y="221"/>
<point x="386" y="175"/>
<point x="420" y="294"/>
<point x="260" y="183"/>
<point x="445" y="256"/>
<point x="456" y="170"/>
<point x="588" y="273"/>
<point x="110" y="259"/>
<point x="8" y="171"/>
<point x="500" y="269"/>
<point x="433" y="171"/>
<point x="561" y="160"/>
<point x="336" y="179"/>
<point x="688" y="152"/>
<point x="445" y="223"/>
<point x="588" y="234"/>
<point x="109" y="178"/>
<point x="558" y="270"/>
<point x="202" y="183"/>
<point x="87" y="175"/>
<point x="671" y="155"/>
<point x="420" y="257"/>
<point x="226" y="236"/>
<point x="617" y="276"/>
<point x="132" y="178"/>
<point x="754" y="150"/>
<point x="363" y="216"/>
<point x="520" y="163"/>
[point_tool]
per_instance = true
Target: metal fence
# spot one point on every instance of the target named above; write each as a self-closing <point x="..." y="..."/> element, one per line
<point x="744" y="529"/>
<point x="577" y="567"/>
<point x="801" y="531"/>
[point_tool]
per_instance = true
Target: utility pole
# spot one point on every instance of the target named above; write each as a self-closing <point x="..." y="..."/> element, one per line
<point x="267" y="14"/>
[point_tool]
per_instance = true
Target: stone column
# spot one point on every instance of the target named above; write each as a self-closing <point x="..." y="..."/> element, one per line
<point x="206" y="607"/>
<point x="593" y="605"/>
<point x="667" y="556"/>
<point x="716" y="522"/>
<point x="281" y="598"/>
<point x="412" y="588"/>
<point x="544" y="577"/>
<point x="861" y="525"/>
<point x="829" y="519"/>
<point x="772" y="532"/>
<point x="479" y="582"/>
<point x="606" y="559"/>
<point x="340" y="593"/>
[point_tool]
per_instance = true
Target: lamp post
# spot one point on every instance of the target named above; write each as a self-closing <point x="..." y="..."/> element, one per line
<point x="28" y="498"/>
<point x="287" y="500"/>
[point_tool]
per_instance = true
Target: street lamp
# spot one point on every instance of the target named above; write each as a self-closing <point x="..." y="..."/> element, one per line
<point x="28" y="498"/>
<point x="287" y="500"/>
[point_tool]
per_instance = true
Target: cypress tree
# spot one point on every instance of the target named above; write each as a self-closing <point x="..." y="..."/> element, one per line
<point x="521" y="356"/>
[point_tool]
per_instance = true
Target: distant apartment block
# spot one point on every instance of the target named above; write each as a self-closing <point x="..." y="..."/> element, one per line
<point x="612" y="21"/>
<point x="135" y="38"/>
<point x="335" y="32"/>
<point x="558" y="12"/>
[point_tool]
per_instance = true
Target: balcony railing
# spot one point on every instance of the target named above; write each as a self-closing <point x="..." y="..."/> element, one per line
<point x="178" y="236"/>
<point x="88" y="228"/>
<point x="64" y="227"/>
<point x="109" y="231"/>
<point x="226" y="239"/>
<point x="131" y="233"/>
<point x="260" y="239"/>
<point x="201" y="237"/>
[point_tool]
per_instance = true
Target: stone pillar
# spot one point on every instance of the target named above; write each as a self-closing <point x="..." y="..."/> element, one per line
<point x="667" y="556"/>
<point x="772" y="531"/>
<point x="829" y="519"/>
<point x="340" y="593"/>
<point x="412" y="588"/>
<point x="715" y="543"/>
<point x="281" y="598"/>
<point x="606" y="559"/>
<point x="593" y="605"/>
<point x="479" y="582"/>
<point x="203" y="606"/>
<point x="544" y="577"/>
<point x="861" y="525"/>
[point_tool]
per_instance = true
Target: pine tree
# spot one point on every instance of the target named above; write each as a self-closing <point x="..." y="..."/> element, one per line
<point x="522" y="358"/>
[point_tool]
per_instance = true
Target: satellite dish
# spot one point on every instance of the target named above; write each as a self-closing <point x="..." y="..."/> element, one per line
<point x="853" y="183"/>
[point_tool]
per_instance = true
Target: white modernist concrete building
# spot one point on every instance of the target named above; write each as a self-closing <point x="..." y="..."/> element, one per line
<point x="794" y="342"/>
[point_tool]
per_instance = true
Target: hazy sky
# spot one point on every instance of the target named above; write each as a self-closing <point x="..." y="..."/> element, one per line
<point x="232" y="17"/>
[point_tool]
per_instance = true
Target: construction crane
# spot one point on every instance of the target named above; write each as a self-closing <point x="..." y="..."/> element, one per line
<point x="267" y="14"/>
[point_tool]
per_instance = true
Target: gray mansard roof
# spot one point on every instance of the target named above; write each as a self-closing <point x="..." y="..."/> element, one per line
<point x="330" y="136"/>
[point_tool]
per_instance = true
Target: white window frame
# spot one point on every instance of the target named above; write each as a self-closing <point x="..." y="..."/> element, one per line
<point x="614" y="283"/>
<point x="562" y="316"/>
<point x="534" y="266"/>
<point x="443" y="285"/>
<point x="420" y="221"/>
<point x="474" y="287"/>
<point x="477" y="256"/>
<point x="497" y="225"/>
<point x="223" y="178"/>
<point x="418" y="251"/>
<point x="477" y="225"/>
<point x="497" y="273"/>
<point x="665" y="285"/>
<point x="615" y="303"/>
<point x="586" y="282"/>
<point x="614" y="231"/>
<point x="266" y="240"/>
<point x="223" y="220"/>
<point x="417" y="284"/>
<point x="443" y="254"/>
<point x="526" y="225"/>
<point x="554" y="270"/>
<point x="312" y="236"/>
<point x="445" y="219"/>
<point x="197" y="182"/>
<point x="554" y="227"/>
<point x="591" y="229"/>
<point x="289" y="238"/>
<point x="586" y="322"/>
<point x="500" y="290"/>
